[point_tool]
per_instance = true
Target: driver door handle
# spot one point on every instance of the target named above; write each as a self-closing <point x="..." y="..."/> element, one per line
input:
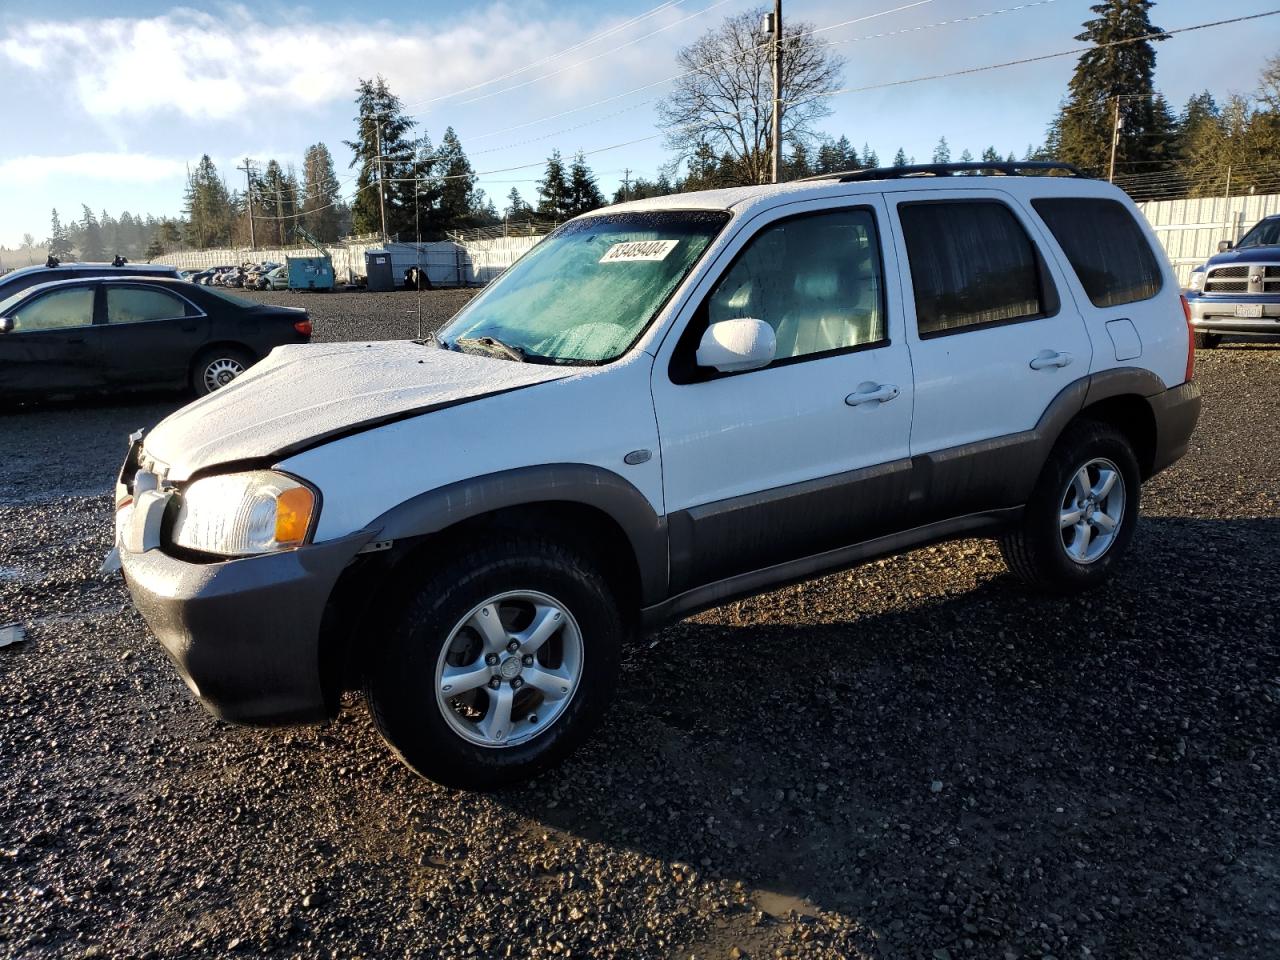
<point x="1049" y="358"/>
<point x="872" y="393"/>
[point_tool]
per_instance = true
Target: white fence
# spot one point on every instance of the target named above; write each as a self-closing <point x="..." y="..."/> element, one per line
<point x="1189" y="230"/>
<point x="445" y="262"/>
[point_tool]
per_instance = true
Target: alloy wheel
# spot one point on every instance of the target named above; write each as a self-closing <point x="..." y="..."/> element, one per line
<point x="509" y="668"/>
<point x="1092" y="510"/>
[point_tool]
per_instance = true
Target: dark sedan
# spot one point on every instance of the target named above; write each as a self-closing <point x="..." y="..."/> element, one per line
<point x="110" y="333"/>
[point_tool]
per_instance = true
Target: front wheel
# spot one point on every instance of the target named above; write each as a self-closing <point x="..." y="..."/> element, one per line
<point x="498" y="664"/>
<point x="1082" y="514"/>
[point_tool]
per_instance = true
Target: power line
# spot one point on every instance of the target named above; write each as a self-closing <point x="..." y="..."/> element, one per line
<point x="1045" y="56"/>
<point x="598" y="56"/>
<point x="669" y="4"/>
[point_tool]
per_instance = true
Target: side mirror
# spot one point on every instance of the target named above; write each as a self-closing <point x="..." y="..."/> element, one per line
<point x="6" y="324"/>
<point x="732" y="346"/>
<point x="1224" y="246"/>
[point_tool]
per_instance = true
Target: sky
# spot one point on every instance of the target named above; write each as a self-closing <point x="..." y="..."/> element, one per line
<point x="108" y="103"/>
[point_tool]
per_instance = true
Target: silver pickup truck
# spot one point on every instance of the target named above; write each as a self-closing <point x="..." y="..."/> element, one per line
<point x="1238" y="291"/>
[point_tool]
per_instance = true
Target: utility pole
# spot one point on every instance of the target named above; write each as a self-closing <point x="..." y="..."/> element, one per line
<point x="626" y="183"/>
<point x="1115" y="141"/>
<point x="777" y="91"/>
<point x="382" y="192"/>
<point x="248" y="178"/>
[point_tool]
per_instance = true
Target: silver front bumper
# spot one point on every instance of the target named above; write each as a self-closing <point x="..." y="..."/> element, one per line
<point x="1217" y="314"/>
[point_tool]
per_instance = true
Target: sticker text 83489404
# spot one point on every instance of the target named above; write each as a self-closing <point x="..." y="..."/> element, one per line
<point x="639" y="250"/>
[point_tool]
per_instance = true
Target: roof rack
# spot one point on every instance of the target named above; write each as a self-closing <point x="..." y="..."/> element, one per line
<point x="1006" y="168"/>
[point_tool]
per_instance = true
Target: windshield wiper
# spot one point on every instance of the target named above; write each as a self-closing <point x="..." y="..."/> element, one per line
<point x="493" y="345"/>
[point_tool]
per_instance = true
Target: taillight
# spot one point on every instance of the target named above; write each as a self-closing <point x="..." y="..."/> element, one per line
<point x="1191" y="340"/>
<point x="303" y="327"/>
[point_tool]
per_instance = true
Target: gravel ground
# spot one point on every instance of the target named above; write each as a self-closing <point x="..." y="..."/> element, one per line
<point x="914" y="759"/>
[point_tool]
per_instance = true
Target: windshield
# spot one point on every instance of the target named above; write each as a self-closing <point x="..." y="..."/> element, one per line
<point x="588" y="291"/>
<point x="1264" y="234"/>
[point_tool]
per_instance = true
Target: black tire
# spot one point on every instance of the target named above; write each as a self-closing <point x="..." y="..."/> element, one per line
<point x="211" y="365"/>
<point x="400" y="677"/>
<point x="1035" y="550"/>
<point x="1208" y="341"/>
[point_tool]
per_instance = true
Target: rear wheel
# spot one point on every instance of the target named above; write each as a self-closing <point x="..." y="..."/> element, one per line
<point x="216" y="368"/>
<point x="498" y="664"/>
<point x="1207" y="341"/>
<point x="1082" y="513"/>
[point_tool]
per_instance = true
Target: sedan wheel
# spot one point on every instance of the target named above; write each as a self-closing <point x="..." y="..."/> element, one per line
<point x="217" y="368"/>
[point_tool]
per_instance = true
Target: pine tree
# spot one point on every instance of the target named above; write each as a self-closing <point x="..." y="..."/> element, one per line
<point x="320" y="197"/>
<point x="990" y="155"/>
<point x="459" y="203"/>
<point x="900" y="158"/>
<point x="380" y="121"/>
<point x="208" y="207"/>
<point x="516" y="207"/>
<point x="154" y="249"/>
<point x="553" y="190"/>
<point x="942" y="152"/>
<point x="1108" y="79"/>
<point x="91" y="245"/>
<point x="584" y="194"/>
<point x="59" y="243"/>
<point x="869" y="158"/>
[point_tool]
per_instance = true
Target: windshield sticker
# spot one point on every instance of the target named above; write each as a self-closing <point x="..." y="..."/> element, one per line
<point x="639" y="250"/>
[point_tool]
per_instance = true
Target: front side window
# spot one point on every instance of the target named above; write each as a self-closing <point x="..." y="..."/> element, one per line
<point x="1264" y="234"/>
<point x="57" y="310"/>
<point x="972" y="265"/>
<point x="814" y="278"/>
<point x="587" y="292"/>
<point x="138" y="304"/>
<point x="1108" y="252"/>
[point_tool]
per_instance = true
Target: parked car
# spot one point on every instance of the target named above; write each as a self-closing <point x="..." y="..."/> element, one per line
<point x="275" y="279"/>
<point x="111" y="334"/>
<point x="1237" y="292"/>
<point x="16" y="281"/>
<point x="665" y="405"/>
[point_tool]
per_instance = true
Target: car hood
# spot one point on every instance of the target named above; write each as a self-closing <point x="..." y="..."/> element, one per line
<point x="302" y="395"/>
<point x="1269" y="254"/>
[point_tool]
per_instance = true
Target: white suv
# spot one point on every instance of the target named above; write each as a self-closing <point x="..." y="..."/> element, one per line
<point x="663" y="406"/>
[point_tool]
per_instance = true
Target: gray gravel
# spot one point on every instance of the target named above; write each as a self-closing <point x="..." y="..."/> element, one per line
<point x="914" y="759"/>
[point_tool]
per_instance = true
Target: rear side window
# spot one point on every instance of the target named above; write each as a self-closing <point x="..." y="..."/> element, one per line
<point x="137" y="304"/>
<point x="972" y="265"/>
<point x="1107" y="250"/>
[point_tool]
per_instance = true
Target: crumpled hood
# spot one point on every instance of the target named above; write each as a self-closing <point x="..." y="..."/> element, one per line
<point x="301" y="395"/>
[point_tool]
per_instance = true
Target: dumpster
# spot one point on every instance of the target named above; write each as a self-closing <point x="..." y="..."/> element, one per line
<point x="377" y="270"/>
<point x="310" y="273"/>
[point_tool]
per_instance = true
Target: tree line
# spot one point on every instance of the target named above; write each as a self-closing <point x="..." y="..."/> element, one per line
<point x="719" y="127"/>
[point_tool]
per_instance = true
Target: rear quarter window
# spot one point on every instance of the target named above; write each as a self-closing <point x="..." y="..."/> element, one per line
<point x="1107" y="249"/>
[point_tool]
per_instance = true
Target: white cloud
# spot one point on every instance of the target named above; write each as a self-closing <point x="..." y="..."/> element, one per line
<point x="208" y="66"/>
<point x="119" y="167"/>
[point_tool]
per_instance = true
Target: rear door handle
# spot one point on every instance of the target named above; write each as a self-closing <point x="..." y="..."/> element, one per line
<point x="872" y="393"/>
<point x="1050" y="358"/>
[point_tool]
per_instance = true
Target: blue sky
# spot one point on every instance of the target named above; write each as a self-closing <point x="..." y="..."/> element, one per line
<point x="107" y="103"/>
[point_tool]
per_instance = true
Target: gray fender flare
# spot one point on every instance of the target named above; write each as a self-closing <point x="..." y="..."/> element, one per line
<point x="438" y="509"/>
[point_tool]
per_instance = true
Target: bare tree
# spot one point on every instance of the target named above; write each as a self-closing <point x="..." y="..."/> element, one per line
<point x="725" y="99"/>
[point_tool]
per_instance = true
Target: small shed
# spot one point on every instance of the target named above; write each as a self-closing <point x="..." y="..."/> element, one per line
<point x="310" y="273"/>
<point x="378" y="271"/>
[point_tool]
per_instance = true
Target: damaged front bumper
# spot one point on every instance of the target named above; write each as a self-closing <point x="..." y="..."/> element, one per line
<point x="244" y="633"/>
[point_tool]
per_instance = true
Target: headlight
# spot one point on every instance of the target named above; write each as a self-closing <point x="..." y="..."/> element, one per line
<point x="1197" y="279"/>
<point x="241" y="514"/>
